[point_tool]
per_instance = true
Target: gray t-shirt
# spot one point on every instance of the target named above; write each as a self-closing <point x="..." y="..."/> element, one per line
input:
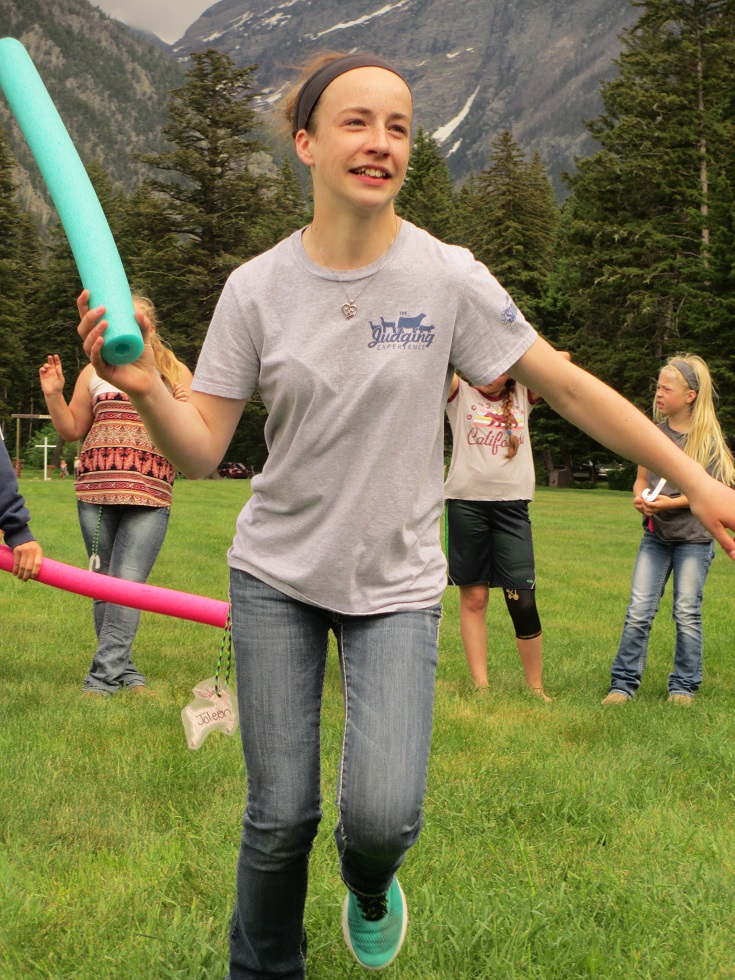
<point x="677" y="524"/>
<point x="345" y="514"/>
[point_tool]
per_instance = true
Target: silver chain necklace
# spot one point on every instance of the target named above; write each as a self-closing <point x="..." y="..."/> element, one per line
<point x="349" y="309"/>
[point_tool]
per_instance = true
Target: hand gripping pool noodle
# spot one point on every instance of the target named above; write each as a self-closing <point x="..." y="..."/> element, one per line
<point x="79" y="210"/>
<point x="150" y="598"/>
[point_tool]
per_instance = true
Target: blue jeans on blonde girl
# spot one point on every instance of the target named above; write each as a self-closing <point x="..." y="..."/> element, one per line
<point x="657" y="560"/>
<point x="388" y="663"/>
<point x="128" y="542"/>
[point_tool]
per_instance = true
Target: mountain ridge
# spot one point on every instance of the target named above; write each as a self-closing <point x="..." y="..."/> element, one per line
<point x="109" y="84"/>
<point x="476" y="67"/>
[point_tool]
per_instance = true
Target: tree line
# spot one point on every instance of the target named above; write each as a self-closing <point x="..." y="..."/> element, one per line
<point x="636" y="264"/>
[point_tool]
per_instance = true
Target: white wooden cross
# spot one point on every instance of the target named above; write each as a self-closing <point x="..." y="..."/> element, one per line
<point x="45" y="446"/>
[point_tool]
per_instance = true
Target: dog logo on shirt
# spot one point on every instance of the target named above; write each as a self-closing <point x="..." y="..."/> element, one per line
<point x="404" y="333"/>
<point x="510" y="311"/>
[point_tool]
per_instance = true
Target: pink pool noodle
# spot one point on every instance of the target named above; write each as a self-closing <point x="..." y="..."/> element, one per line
<point x="150" y="598"/>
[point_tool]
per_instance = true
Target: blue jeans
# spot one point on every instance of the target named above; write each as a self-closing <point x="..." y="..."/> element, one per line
<point x="130" y="538"/>
<point x="388" y="664"/>
<point x="657" y="559"/>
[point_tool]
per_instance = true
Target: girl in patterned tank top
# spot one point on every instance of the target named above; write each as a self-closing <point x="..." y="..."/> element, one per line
<point x="123" y="486"/>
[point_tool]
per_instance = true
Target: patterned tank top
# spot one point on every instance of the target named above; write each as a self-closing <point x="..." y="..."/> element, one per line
<point x="119" y="463"/>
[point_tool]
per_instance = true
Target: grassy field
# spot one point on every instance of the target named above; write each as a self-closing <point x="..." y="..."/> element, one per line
<point x="561" y="841"/>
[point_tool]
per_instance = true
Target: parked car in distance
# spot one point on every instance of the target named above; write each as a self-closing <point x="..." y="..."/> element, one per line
<point x="590" y="469"/>
<point x="234" y="471"/>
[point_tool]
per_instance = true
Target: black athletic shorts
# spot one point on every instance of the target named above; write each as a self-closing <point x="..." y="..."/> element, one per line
<point x="490" y="543"/>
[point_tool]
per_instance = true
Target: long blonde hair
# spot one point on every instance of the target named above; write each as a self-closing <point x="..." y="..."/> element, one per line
<point x="169" y="367"/>
<point x="704" y="440"/>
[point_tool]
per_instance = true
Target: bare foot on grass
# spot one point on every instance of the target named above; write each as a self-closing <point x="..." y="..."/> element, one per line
<point x="540" y="693"/>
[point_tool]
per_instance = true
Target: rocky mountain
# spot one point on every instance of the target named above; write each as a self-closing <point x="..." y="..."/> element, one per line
<point x="109" y="84"/>
<point x="476" y="66"/>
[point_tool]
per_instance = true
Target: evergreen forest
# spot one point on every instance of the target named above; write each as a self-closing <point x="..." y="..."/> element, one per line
<point x="636" y="264"/>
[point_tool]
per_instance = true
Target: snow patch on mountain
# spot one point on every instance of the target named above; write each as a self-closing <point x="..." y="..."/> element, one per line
<point x="276" y="19"/>
<point x="362" y="20"/>
<point x="442" y="134"/>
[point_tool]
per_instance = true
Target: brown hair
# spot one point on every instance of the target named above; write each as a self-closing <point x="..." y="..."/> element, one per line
<point x="508" y="418"/>
<point x="287" y="105"/>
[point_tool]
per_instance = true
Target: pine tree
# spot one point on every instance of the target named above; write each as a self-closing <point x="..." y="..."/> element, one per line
<point x="211" y="126"/>
<point x="427" y="197"/>
<point x="512" y="221"/>
<point x="213" y="198"/>
<point x="647" y="241"/>
<point x="216" y="205"/>
<point x="148" y="250"/>
<point x="285" y="211"/>
<point x="541" y="225"/>
<point x="19" y="258"/>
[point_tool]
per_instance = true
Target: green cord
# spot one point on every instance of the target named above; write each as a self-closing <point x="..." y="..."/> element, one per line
<point x="94" y="558"/>
<point x="226" y="641"/>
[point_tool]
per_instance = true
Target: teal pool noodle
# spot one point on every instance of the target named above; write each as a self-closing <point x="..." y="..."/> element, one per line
<point x="77" y="205"/>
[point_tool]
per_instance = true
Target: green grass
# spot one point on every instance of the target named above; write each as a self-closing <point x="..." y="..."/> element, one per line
<point x="560" y="841"/>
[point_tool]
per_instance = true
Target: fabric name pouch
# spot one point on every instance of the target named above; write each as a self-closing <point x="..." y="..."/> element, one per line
<point x="209" y="711"/>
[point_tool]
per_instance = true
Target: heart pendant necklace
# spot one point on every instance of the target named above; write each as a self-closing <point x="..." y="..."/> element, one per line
<point x="349" y="309"/>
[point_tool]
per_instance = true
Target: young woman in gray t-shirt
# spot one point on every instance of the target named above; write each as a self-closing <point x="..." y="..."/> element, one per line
<point x="351" y="329"/>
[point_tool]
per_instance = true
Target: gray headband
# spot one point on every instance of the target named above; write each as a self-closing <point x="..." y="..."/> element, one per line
<point x="687" y="370"/>
<point x="316" y="83"/>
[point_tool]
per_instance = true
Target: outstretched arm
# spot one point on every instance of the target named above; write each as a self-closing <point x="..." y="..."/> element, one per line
<point x="534" y="396"/>
<point x="193" y="434"/>
<point x="606" y="416"/>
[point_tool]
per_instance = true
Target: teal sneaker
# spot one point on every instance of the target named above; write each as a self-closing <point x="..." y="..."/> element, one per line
<point x="374" y="928"/>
